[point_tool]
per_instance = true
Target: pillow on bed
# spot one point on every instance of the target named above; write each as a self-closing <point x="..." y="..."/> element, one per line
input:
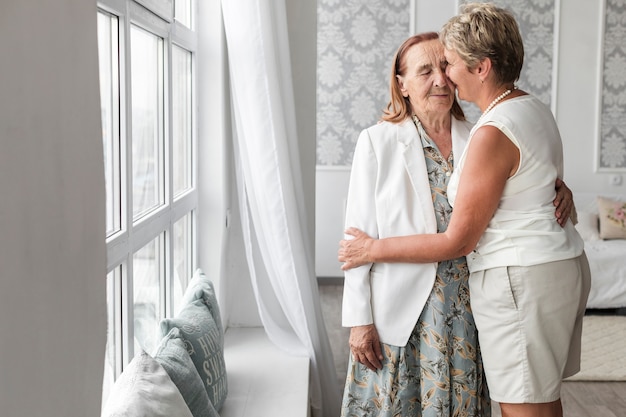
<point x="145" y="389"/>
<point x="612" y="218"/>
<point x="588" y="226"/>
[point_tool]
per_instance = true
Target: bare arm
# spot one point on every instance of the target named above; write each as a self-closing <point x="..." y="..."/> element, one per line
<point x="355" y="252"/>
<point x="481" y="185"/>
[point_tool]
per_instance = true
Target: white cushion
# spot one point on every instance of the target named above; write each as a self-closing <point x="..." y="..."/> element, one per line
<point x="144" y="389"/>
<point x="612" y="218"/>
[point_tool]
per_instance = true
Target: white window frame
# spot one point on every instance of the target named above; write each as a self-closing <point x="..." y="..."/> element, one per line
<point x="155" y="16"/>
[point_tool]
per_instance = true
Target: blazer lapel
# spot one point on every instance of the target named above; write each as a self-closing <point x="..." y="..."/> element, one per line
<point x="413" y="155"/>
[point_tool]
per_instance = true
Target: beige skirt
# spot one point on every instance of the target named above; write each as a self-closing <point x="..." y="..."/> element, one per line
<point x="529" y="322"/>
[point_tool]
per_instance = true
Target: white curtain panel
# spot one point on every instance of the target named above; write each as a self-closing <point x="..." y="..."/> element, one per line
<point x="270" y="191"/>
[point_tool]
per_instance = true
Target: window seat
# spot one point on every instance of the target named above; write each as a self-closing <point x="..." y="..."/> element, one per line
<point x="198" y="369"/>
<point x="262" y="379"/>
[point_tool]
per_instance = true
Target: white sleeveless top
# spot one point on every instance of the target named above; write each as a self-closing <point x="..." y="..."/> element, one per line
<point x="524" y="230"/>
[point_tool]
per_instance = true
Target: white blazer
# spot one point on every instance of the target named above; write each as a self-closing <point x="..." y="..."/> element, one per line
<point x="389" y="195"/>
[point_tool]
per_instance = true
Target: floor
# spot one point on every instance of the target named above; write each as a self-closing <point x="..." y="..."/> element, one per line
<point x="580" y="399"/>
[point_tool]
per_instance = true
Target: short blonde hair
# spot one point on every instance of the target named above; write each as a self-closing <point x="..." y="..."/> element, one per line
<point x="483" y="30"/>
<point x="399" y="107"/>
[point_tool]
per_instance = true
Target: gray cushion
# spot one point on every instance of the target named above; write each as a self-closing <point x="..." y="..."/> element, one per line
<point x="201" y="287"/>
<point x="173" y="356"/>
<point x="204" y="341"/>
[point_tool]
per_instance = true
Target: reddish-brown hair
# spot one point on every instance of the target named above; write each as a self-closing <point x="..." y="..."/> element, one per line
<point x="399" y="107"/>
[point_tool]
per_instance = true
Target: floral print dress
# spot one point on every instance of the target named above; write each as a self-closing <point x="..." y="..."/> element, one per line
<point x="439" y="372"/>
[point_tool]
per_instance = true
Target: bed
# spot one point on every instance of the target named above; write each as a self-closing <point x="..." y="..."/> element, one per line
<point x="602" y="225"/>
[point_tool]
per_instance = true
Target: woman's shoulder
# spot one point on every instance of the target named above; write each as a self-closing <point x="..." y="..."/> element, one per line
<point x="385" y="128"/>
<point x="385" y="134"/>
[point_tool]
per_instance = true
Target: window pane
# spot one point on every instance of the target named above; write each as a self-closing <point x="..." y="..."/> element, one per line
<point x="182" y="259"/>
<point x="110" y="357"/>
<point x="147" y="270"/>
<point x="147" y="120"/>
<point x="182" y="12"/>
<point x="108" y="51"/>
<point x="181" y="121"/>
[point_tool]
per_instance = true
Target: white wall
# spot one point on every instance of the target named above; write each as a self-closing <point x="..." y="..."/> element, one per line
<point x="578" y="97"/>
<point x="577" y="110"/>
<point x="331" y="191"/>
<point x="52" y="219"/>
<point x="430" y="15"/>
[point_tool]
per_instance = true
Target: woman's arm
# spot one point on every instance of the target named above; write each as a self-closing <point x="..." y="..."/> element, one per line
<point x="351" y="250"/>
<point x="491" y="159"/>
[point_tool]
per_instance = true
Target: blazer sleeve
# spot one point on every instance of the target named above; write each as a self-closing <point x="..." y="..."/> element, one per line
<point x="360" y="213"/>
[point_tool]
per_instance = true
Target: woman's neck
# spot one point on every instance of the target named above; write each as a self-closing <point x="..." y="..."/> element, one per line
<point x="435" y="124"/>
<point x="493" y="95"/>
<point x="438" y="128"/>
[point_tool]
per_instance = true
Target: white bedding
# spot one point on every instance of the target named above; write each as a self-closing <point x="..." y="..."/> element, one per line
<point x="607" y="261"/>
<point x="607" y="258"/>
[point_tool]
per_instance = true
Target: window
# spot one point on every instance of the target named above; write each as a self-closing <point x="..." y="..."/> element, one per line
<point x="147" y="57"/>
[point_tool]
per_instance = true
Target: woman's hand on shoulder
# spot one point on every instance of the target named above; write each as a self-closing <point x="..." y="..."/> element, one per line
<point x="354" y="252"/>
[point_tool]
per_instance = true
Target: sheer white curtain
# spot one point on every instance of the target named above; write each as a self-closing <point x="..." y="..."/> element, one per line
<point x="270" y="190"/>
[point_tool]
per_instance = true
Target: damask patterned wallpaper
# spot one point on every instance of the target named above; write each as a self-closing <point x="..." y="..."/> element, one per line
<point x="356" y="42"/>
<point x="612" y="155"/>
<point x="355" y="46"/>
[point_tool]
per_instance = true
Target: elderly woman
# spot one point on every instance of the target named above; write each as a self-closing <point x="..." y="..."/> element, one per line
<point x="429" y="362"/>
<point x="529" y="277"/>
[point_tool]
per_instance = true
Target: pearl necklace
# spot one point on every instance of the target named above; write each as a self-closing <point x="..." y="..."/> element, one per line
<point x="496" y="101"/>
